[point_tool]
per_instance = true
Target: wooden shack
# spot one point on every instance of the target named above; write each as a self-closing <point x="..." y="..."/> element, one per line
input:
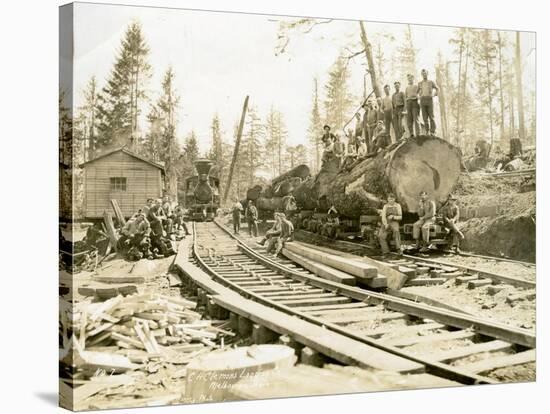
<point x="124" y="176"/>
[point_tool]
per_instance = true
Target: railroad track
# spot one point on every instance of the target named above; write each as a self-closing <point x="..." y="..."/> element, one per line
<point x="447" y="344"/>
<point x="426" y="270"/>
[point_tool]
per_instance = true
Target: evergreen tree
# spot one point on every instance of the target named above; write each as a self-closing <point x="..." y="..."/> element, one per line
<point x="251" y="154"/>
<point x="276" y="135"/>
<point x="339" y="100"/>
<point x="406" y="55"/>
<point x="160" y="143"/>
<point x="315" y="129"/>
<point x="120" y="100"/>
<point x="296" y="155"/>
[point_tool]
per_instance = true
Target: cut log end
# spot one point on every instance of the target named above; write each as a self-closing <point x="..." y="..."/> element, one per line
<point x="424" y="163"/>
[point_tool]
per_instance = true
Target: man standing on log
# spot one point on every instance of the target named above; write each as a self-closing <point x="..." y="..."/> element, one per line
<point x="426" y="88"/>
<point x="391" y="216"/>
<point x="451" y="215"/>
<point x="236" y="210"/>
<point x="398" y="101"/>
<point x="327" y="135"/>
<point x="387" y="110"/>
<point x="411" y="96"/>
<point x="426" y="217"/>
<point x="252" y="219"/>
<point x="370" y="119"/>
<point x="358" y="130"/>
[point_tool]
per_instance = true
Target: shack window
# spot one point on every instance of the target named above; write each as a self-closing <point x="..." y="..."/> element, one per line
<point x="118" y="183"/>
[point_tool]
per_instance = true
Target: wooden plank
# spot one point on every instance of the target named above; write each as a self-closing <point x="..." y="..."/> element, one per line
<point x="118" y="212"/>
<point x="321" y="270"/>
<point x="446" y="336"/>
<point x="382" y="317"/>
<point x="403" y="329"/>
<point x="356" y="268"/>
<point x="352" y="305"/>
<point x="465" y="351"/>
<point x="314" y="301"/>
<point x="111" y="231"/>
<point x="501" y="362"/>
<point x="338" y="347"/>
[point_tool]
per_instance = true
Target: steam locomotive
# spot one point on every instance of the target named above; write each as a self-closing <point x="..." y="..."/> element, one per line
<point x="202" y="192"/>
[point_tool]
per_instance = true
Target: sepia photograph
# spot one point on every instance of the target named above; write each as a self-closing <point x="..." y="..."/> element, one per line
<point x="258" y="206"/>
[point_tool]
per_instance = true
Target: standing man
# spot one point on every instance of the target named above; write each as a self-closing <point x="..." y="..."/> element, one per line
<point x="398" y="101"/>
<point x="252" y="219"/>
<point x="411" y="97"/>
<point x="236" y="210"/>
<point x="426" y="88"/>
<point x="358" y="130"/>
<point x="387" y="110"/>
<point x="391" y="216"/>
<point x="451" y="215"/>
<point x="371" y="117"/>
<point x="327" y="135"/>
<point x="426" y="217"/>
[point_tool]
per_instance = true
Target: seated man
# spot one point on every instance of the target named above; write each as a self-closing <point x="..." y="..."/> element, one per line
<point x="391" y="216"/>
<point x="426" y="217"/>
<point x="135" y="236"/>
<point x="451" y="215"/>
<point x="287" y="233"/>
<point x="168" y="221"/>
<point x="273" y="234"/>
<point x="331" y="227"/>
<point x="381" y="137"/>
<point x="155" y="216"/>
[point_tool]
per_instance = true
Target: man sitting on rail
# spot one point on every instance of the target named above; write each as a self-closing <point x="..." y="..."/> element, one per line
<point x="451" y="215"/>
<point x="287" y="233"/>
<point x="426" y="217"/>
<point x="391" y="216"/>
<point x="273" y="235"/>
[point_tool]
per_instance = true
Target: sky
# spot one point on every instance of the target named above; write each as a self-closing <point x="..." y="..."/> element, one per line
<point x="219" y="58"/>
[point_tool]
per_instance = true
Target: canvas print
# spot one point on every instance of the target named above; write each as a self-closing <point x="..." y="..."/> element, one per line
<point x="256" y="206"/>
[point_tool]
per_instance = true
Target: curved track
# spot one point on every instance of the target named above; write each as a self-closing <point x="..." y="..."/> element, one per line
<point x="449" y="344"/>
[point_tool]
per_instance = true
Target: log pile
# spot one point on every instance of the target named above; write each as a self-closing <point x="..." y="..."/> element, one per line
<point x="130" y="337"/>
<point x="405" y="168"/>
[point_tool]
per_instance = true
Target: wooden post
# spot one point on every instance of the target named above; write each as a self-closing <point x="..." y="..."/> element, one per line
<point x="236" y="151"/>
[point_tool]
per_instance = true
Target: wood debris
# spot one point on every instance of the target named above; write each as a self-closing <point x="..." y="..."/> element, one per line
<point x="114" y="348"/>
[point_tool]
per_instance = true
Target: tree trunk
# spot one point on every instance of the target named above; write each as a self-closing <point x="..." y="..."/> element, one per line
<point x="422" y="163"/>
<point x="442" y="106"/>
<point x="502" y="133"/>
<point x="519" y="89"/>
<point x="236" y="151"/>
<point x="459" y="92"/>
<point x="370" y="60"/>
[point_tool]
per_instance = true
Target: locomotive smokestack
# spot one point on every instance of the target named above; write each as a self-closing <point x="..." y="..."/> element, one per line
<point x="203" y="166"/>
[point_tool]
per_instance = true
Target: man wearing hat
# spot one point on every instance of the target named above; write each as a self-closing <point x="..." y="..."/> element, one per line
<point x="451" y="215"/>
<point x="398" y="101"/>
<point x="370" y="120"/>
<point x="327" y="135"/>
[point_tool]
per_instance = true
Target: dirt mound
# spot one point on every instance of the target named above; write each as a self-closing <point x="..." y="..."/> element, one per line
<point x="506" y="235"/>
<point x="476" y="184"/>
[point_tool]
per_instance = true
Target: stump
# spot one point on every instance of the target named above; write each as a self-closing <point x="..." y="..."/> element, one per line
<point x="210" y="378"/>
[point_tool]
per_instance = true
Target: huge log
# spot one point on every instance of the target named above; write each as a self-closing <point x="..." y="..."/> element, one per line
<point x="301" y="171"/>
<point x="424" y="163"/>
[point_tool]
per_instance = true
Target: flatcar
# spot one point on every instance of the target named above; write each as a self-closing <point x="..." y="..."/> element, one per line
<point x="202" y="192"/>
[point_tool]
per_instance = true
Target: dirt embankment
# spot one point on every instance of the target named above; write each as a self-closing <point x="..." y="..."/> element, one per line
<point x="504" y="222"/>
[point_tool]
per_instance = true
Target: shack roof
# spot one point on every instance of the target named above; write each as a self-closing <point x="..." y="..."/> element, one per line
<point x="128" y="152"/>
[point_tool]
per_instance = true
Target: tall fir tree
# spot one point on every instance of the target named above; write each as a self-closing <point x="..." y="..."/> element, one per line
<point x="406" y="55"/>
<point x="275" y="143"/>
<point x="120" y="100"/>
<point x="160" y="143"/>
<point x="252" y="145"/>
<point x="339" y="100"/>
<point x="315" y="129"/>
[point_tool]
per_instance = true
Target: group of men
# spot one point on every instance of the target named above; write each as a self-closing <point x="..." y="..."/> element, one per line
<point x="373" y="130"/>
<point x="150" y="231"/>
<point x="281" y="231"/>
<point x="392" y="214"/>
